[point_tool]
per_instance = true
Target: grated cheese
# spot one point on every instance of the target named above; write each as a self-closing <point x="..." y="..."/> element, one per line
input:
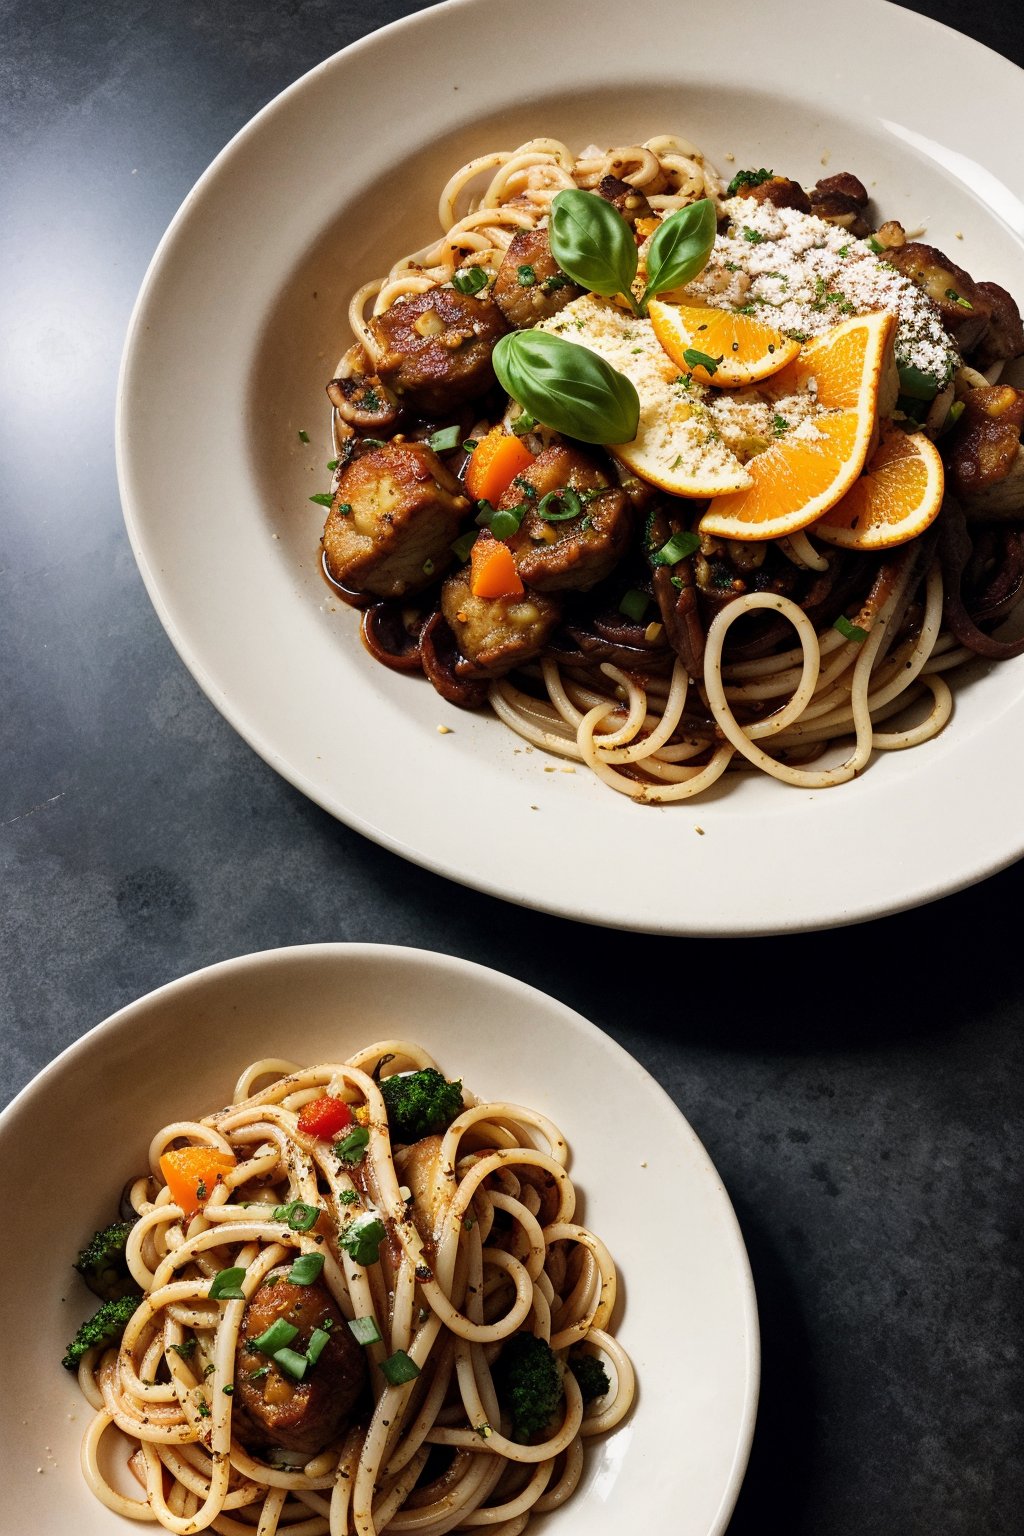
<point x="803" y="275"/>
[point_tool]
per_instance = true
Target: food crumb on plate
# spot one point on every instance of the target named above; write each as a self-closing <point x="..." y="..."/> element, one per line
<point x="444" y="730"/>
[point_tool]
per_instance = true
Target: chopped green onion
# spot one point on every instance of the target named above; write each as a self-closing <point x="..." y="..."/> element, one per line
<point x="303" y="436"/>
<point x="318" y="1342"/>
<point x="954" y="413"/>
<point x="428" y="567"/>
<point x="291" y="1362"/>
<point x="372" y="442"/>
<point x="349" y="1196"/>
<point x="634" y="604"/>
<point x="306" y="1269"/>
<point x="678" y="547"/>
<point x="523" y="423"/>
<point x="398" y="1368"/>
<point x="227" y="1285"/>
<point x="365" y="1330"/>
<point x="258" y="1375"/>
<point x="361" y="1239"/>
<point x="506" y="521"/>
<point x="470" y="444"/>
<point x="353" y="1148"/>
<point x="278" y="1336"/>
<point x="344" y="508"/>
<point x="322" y="498"/>
<point x="460" y="549"/>
<point x="747" y="179"/>
<point x="469" y="280"/>
<point x="444" y="440"/>
<point x="567" y="500"/>
<point x="332" y="464"/>
<point x="299" y="1216"/>
<point x="526" y="275"/>
<point x="677" y="582"/>
<point x="958" y="298"/>
<point x="228" y="1391"/>
<point x="850" y="631"/>
<point x="484" y="513"/>
<point x="694" y="359"/>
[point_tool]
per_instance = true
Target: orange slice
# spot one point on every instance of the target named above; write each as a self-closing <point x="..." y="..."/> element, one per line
<point x="799" y="478"/>
<point x="896" y="498"/>
<point x="746" y="349"/>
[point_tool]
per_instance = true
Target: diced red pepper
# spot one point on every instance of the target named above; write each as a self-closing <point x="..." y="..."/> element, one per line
<point x="324" y="1117"/>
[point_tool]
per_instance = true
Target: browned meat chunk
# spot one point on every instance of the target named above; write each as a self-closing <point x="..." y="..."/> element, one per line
<point x="780" y="192"/>
<point x="1004" y="338"/>
<point x="964" y="308"/>
<point x="496" y="634"/>
<point x="575" y="552"/>
<point x="986" y="463"/>
<point x="631" y="204"/>
<point x="274" y="1409"/>
<point x="393" y="518"/>
<point x="530" y="285"/>
<point x="437" y="348"/>
<point x="841" y="200"/>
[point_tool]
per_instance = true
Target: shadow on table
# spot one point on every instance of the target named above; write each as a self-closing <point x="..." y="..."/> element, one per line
<point x="773" y="1496"/>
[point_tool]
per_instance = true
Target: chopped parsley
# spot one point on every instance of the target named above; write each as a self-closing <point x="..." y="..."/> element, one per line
<point x="747" y="179"/>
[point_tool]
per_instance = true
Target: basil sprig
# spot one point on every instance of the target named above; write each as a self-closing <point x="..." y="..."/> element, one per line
<point x="567" y="387"/>
<point x="594" y="245"/>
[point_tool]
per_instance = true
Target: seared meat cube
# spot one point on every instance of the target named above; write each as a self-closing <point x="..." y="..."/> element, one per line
<point x="573" y="553"/>
<point x="275" y="1410"/>
<point x="1004" y="338"/>
<point x="964" y="308"/>
<point x="437" y="348"/>
<point x="841" y="200"/>
<point x="530" y="285"/>
<point x="631" y="204"/>
<point x="496" y="634"/>
<point x="986" y="461"/>
<point x="779" y="191"/>
<point x="393" y="518"/>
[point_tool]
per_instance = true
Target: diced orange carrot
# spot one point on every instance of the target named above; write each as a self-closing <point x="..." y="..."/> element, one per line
<point x="494" y="464"/>
<point x="493" y="569"/>
<point x="192" y="1172"/>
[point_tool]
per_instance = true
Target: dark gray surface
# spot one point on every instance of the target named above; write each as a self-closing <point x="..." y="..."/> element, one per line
<point x="859" y="1090"/>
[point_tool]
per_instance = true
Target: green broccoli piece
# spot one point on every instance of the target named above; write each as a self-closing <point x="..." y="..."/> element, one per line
<point x="420" y="1103"/>
<point x="105" y="1327"/>
<point x="591" y="1376"/>
<point x="528" y="1379"/>
<point x="102" y="1264"/>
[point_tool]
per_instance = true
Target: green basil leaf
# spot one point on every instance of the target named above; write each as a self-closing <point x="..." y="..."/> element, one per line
<point x="680" y="247"/>
<point x="592" y="243"/>
<point x="567" y="387"/>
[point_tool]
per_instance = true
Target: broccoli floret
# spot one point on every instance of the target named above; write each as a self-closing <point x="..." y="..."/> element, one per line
<point x="591" y="1376"/>
<point x="529" y="1382"/>
<point x="102" y="1264"/>
<point x="105" y="1327"/>
<point x="420" y="1103"/>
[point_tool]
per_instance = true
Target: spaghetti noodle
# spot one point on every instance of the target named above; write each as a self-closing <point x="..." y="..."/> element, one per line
<point x="433" y="1255"/>
<point x="818" y="648"/>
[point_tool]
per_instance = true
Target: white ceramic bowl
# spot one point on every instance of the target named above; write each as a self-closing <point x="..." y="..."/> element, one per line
<point x="688" y="1316"/>
<point x="241" y="321"/>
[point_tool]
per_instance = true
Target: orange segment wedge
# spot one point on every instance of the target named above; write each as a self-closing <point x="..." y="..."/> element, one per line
<point x="896" y="498"/>
<point x="745" y="349"/>
<point x="800" y="477"/>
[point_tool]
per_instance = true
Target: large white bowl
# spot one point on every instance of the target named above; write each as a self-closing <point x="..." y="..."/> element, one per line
<point x="688" y="1316"/>
<point x="242" y="318"/>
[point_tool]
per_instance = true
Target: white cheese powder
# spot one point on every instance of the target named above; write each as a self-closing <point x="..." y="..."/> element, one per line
<point x="803" y="275"/>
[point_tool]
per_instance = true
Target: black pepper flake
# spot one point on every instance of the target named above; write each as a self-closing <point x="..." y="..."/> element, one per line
<point x="424" y="1272"/>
